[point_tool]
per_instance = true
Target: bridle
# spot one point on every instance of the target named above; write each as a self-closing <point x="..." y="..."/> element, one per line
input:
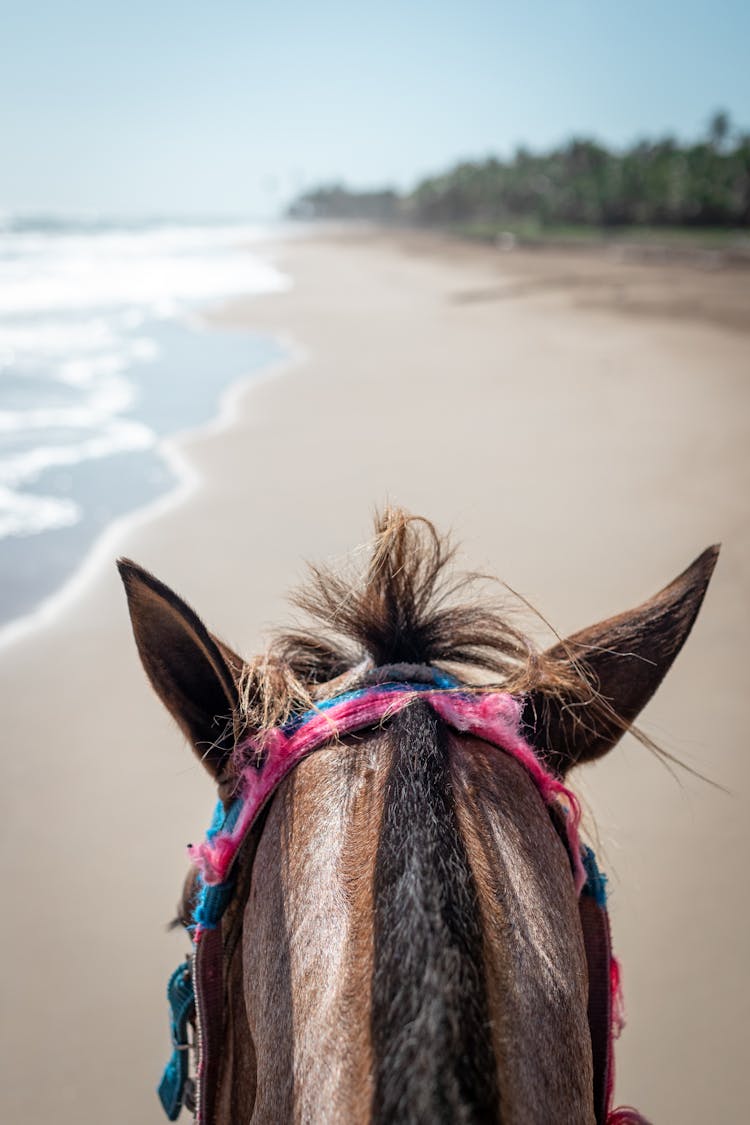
<point x="195" y="990"/>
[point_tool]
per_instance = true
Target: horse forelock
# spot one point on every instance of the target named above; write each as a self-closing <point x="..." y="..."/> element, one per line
<point x="406" y="606"/>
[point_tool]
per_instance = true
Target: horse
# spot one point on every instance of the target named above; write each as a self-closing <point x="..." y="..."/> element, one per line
<point x="393" y="916"/>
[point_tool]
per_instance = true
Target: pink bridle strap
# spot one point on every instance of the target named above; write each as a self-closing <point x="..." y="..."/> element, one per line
<point x="626" y="1115"/>
<point x="494" y="717"/>
<point x="491" y="716"/>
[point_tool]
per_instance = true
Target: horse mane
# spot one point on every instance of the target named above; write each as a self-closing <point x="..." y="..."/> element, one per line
<point x="405" y="606"/>
<point x="433" y="1057"/>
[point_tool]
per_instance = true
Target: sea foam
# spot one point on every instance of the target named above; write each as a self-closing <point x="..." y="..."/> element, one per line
<point x="101" y="358"/>
<point x="73" y="304"/>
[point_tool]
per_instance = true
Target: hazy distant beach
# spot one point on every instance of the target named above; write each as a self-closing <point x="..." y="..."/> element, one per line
<point x="582" y="425"/>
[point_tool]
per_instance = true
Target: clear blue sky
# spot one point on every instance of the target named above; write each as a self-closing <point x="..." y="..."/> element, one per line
<point x="228" y="106"/>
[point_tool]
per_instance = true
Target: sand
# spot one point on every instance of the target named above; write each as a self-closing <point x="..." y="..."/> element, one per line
<point x="582" y="425"/>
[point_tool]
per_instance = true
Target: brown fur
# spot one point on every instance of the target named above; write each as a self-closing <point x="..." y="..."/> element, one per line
<point x="299" y="945"/>
<point x="534" y="957"/>
<point x="308" y="938"/>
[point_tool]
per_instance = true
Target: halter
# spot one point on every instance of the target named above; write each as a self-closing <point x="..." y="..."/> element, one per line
<point x="195" y="989"/>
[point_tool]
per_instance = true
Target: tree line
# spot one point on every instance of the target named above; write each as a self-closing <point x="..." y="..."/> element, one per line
<point x="653" y="183"/>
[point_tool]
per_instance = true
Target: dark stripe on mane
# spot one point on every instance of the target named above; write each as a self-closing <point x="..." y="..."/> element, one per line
<point x="433" y="1056"/>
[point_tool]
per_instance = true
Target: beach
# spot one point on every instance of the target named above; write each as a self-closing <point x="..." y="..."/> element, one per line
<point x="581" y="423"/>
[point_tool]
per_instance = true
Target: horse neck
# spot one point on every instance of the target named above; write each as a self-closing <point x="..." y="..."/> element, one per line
<point x="411" y="945"/>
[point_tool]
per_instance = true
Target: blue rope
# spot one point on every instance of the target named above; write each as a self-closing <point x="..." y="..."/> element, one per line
<point x="596" y="881"/>
<point x="181" y="1004"/>
<point x="441" y="680"/>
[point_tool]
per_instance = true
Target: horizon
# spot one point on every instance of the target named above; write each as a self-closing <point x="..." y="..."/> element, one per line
<point x="229" y="114"/>
<point x="89" y="219"/>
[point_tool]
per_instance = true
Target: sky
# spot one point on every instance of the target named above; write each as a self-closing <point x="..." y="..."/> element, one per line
<point x="231" y="107"/>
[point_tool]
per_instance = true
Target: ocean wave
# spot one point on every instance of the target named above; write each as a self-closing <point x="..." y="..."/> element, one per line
<point x="109" y="397"/>
<point x="100" y="359"/>
<point x="120" y="436"/>
<point x="23" y="514"/>
<point x="153" y="268"/>
<point x="49" y="339"/>
<point x="77" y="353"/>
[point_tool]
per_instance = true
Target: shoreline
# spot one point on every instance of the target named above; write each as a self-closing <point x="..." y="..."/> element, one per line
<point x="187" y="479"/>
<point x="679" y="246"/>
<point x="584" y="452"/>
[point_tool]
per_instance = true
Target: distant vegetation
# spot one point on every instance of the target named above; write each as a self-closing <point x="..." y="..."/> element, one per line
<point x="581" y="185"/>
<point x="338" y="202"/>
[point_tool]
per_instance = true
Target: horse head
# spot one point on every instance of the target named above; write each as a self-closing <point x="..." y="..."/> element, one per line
<point x="393" y="917"/>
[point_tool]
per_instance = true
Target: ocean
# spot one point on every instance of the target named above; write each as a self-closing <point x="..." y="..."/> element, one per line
<point x="104" y="355"/>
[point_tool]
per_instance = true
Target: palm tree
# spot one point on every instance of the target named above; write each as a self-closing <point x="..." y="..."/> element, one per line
<point x="718" y="128"/>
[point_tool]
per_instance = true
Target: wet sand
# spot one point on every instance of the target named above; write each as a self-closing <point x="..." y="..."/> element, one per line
<point x="583" y="426"/>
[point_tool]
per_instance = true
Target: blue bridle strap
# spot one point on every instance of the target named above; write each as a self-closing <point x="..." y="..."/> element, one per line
<point x="596" y="881"/>
<point x="210" y="907"/>
<point x="181" y="1005"/>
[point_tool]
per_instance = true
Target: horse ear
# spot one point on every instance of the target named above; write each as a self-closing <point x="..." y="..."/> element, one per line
<point x="624" y="659"/>
<point x="193" y="673"/>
